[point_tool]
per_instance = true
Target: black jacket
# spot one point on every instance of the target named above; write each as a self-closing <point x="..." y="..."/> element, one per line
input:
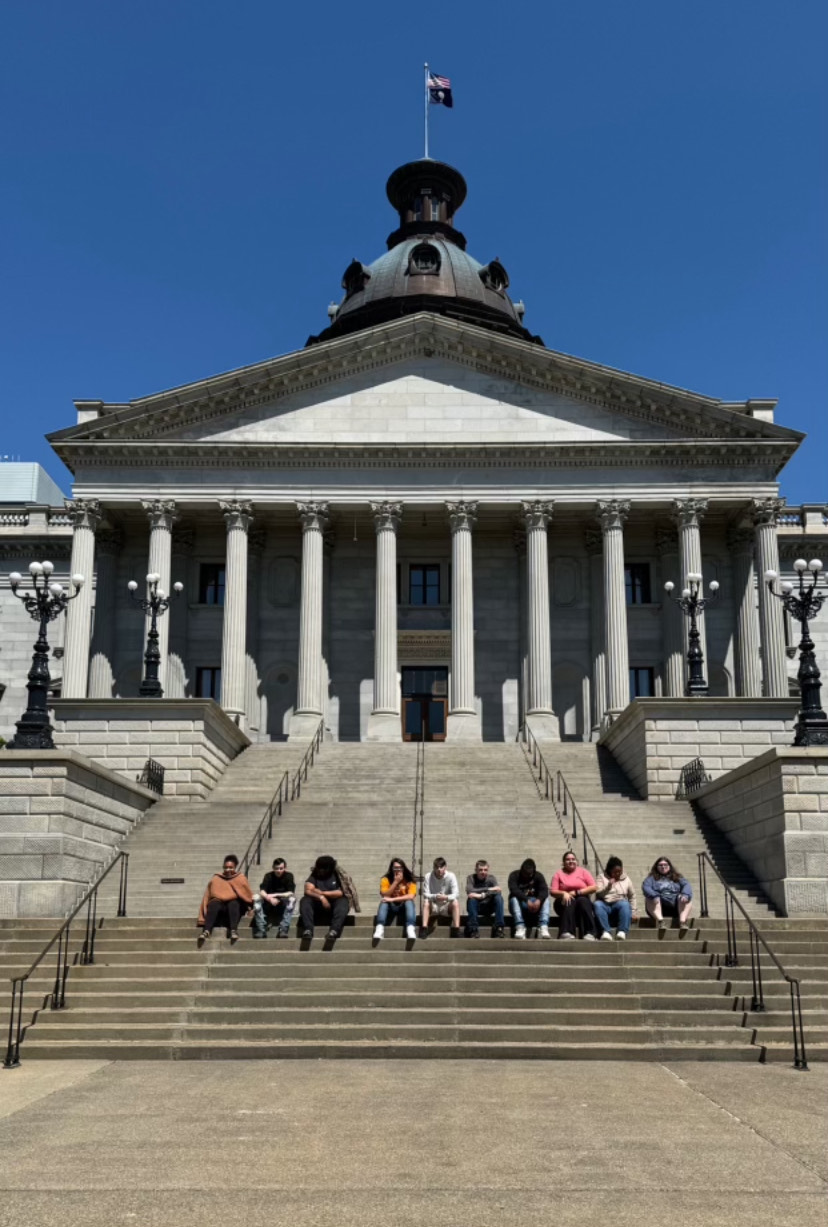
<point x="534" y="888"/>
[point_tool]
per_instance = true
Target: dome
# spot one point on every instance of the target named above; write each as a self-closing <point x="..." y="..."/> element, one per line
<point x="427" y="267"/>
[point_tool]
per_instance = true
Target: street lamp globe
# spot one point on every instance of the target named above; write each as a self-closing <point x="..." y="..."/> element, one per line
<point x="815" y="565"/>
<point x="714" y="585"/>
<point x="48" y="567"/>
<point x="800" y="565"/>
<point x="132" y="586"/>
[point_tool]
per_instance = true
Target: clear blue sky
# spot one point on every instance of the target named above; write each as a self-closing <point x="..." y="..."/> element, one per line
<point x="183" y="184"/>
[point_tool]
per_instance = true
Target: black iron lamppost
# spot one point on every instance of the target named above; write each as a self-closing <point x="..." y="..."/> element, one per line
<point x="692" y="604"/>
<point x="46" y="601"/>
<point x="811" y="727"/>
<point x="155" y="603"/>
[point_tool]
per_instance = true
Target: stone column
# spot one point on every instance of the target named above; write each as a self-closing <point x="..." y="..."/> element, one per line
<point x="108" y="542"/>
<point x="85" y="515"/>
<point x="771" y="626"/>
<point x="256" y="539"/>
<point x="688" y="514"/>
<point x="523" y="645"/>
<point x="594" y="540"/>
<point x="539" y="712"/>
<point x="309" y="698"/>
<point x="748" y="662"/>
<point x="463" y="720"/>
<point x="161" y="514"/>
<point x="611" y="516"/>
<point x="237" y="516"/>
<point x="672" y="631"/>
<point x="384" y="721"/>
<point x="182" y="548"/>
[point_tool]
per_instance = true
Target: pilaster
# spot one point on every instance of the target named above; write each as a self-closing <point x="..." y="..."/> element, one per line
<point x="594" y="541"/>
<point x="108" y="543"/>
<point x="539" y="713"/>
<point x="611" y="515"/>
<point x="748" y="664"/>
<point x="314" y="518"/>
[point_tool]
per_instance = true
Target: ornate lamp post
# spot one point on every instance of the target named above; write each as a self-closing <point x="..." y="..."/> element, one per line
<point x="804" y="605"/>
<point x="155" y="603"/>
<point x="46" y="601"/>
<point x="692" y="604"/>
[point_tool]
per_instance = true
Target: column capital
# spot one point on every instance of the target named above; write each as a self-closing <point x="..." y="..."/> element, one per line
<point x="593" y="540"/>
<point x="741" y="540"/>
<point x="536" y="514"/>
<point x="689" y="512"/>
<point x="161" y="513"/>
<point x="84" y="512"/>
<point x="462" y="514"/>
<point x="183" y="540"/>
<point x="666" y="540"/>
<point x="766" y="511"/>
<point x="108" y="540"/>
<point x="314" y="515"/>
<point x="611" y="513"/>
<point x="386" y="515"/>
<point x="237" y="515"/>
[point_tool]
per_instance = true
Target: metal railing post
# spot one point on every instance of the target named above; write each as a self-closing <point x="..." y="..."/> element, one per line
<point x="12" y="1058"/>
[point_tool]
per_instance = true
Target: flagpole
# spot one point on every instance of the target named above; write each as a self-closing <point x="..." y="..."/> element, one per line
<point x="425" y="116"/>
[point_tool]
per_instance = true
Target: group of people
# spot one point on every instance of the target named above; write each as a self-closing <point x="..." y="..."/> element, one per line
<point x="586" y="908"/>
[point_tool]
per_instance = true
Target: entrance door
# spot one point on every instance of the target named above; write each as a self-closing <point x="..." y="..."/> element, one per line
<point x="425" y="703"/>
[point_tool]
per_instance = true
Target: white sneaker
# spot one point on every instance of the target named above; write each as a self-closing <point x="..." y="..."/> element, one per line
<point x="620" y="936"/>
<point x="566" y="937"/>
<point x="379" y="932"/>
<point x="544" y="931"/>
<point x="606" y="937"/>
<point x="589" y="937"/>
<point x="411" y="933"/>
<point x="520" y="932"/>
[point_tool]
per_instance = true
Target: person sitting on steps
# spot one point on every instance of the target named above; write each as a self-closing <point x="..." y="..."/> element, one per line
<point x="667" y="894"/>
<point x="398" y="890"/>
<point x="329" y="893"/>
<point x="529" y="899"/>
<point x="483" y="895"/>
<point x="227" y="898"/>
<point x="276" y="901"/>
<point x="615" y="902"/>
<point x="572" y="888"/>
<point x="441" y="897"/>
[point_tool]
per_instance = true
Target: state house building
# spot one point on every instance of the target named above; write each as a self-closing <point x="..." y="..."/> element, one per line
<point x="425" y="517"/>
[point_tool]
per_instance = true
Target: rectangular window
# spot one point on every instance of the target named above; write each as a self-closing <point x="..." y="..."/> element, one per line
<point x="208" y="682"/>
<point x="211" y="583"/>
<point x="435" y="209"/>
<point x="637" y="580"/>
<point x="642" y="683"/>
<point x="424" y="584"/>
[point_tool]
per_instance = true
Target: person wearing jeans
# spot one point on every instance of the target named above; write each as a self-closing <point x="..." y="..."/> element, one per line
<point x="274" y="906"/>
<point x="483" y="894"/>
<point x="529" y="900"/>
<point x="614" y="901"/>
<point x="398" y="891"/>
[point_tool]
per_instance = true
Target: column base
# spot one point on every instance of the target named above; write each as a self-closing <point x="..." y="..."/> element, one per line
<point x="384" y="726"/>
<point x="235" y="714"/>
<point x="303" y="725"/>
<point x="464" y="726"/>
<point x="544" y="726"/>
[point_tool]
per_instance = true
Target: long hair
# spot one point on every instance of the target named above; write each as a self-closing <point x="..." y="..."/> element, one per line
<point x="324" y="867"/>
<point x="673" y="873"/>
<point x="408" y="876"/>
<point x="614" y="862"/>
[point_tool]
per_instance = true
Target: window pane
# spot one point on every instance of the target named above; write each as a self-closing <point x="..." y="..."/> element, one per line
<point x="637" y="581"/>
<point x="211" y="584"/>
<point x="424" y="585"/>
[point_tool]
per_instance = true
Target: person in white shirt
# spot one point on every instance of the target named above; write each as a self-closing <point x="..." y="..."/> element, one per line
<point x="441" y="897"/>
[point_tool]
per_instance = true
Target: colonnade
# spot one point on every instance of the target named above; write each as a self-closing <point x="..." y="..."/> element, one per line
<point x="679" y="548"/>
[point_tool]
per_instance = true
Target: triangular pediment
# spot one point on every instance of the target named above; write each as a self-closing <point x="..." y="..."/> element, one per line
<point x="422" y="380"/>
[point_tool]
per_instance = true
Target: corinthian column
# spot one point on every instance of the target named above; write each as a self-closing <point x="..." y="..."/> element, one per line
<point x="748" y="664"/>
<point x="309" y="699"/>
<point x="688" y="514"/>
<point x="463" y="721"/>
<point x="594" y="540"/>
<point x="667" y="545"/>
<point x="237" y="516"/>
<point x="540" y="716"/>
<point x="771" y="627"/>
<point x="384" y="721"/>
<point x="108" y="542"/>
<point x="85" y="515"/>
<point x="611" y="516"/>
<point x="161" y="515"/>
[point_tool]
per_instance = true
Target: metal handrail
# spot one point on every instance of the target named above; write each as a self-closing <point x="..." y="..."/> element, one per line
<point x="692" y="777"/>
<point x="419" y="807"/>
<point x="301" y="774"/>
<point x="274" y="810"/>
<point x="56" y="998"/>
<point x="563" y="802"/>
<point x="757" y="1004"/>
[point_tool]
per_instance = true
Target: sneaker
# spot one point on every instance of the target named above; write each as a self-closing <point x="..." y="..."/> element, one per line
<point x="589" y="937"/>
<point x="411" y="933"/>
<point x="307" y="935"/>
<point x="566" y="937"/>
<point x="204" y="936"/>
<point x="379" y="932"/>
<point x="331" y="935"/>
<point x="520" y="932"/>
<point x="473" y="933"/>
<point x="620" y="936"/>
<point x="234" y="937"/>
<point x="283" y="933"/>
<point x="499" y="932"/>
<point x="606" y="936"/>
<point x="424" y="933"/>
<point x="683" y="931"/>
<point x="258" y="936"/>
<point x="544" y="931"/>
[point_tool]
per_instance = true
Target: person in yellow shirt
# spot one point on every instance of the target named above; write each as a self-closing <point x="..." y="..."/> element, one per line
<point x="398" y="890"/>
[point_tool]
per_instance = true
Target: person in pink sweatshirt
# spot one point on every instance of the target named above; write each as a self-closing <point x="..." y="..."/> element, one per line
<point x="572" y="889"/>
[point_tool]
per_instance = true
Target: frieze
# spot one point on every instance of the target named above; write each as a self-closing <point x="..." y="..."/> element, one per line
<point x="37" y="548"/>
<point x="431" y="646"/>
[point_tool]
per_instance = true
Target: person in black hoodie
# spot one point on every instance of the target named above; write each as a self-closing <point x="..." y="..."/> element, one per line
<point x="529" y="899"/>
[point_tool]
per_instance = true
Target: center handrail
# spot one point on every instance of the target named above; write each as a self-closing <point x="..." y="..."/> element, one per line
<point x="419" y="807"/>
<point x="300" y="775"/>
<point x="289" y="789"/>
<point x="563" y="802"/>
<point x="756" y="939"/>
<point x="57" y="996"/>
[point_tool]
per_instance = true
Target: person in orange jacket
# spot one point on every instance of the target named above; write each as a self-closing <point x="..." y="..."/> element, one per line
<point x="227" y="898"/>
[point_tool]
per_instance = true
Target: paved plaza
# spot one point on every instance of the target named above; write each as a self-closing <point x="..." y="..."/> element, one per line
<point x="363" y="1143"/>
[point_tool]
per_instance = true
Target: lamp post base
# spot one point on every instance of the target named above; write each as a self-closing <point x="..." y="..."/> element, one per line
<point x="32" y="735"/>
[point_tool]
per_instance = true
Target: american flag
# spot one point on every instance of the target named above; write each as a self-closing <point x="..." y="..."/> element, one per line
<point x="439" y="90"/>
